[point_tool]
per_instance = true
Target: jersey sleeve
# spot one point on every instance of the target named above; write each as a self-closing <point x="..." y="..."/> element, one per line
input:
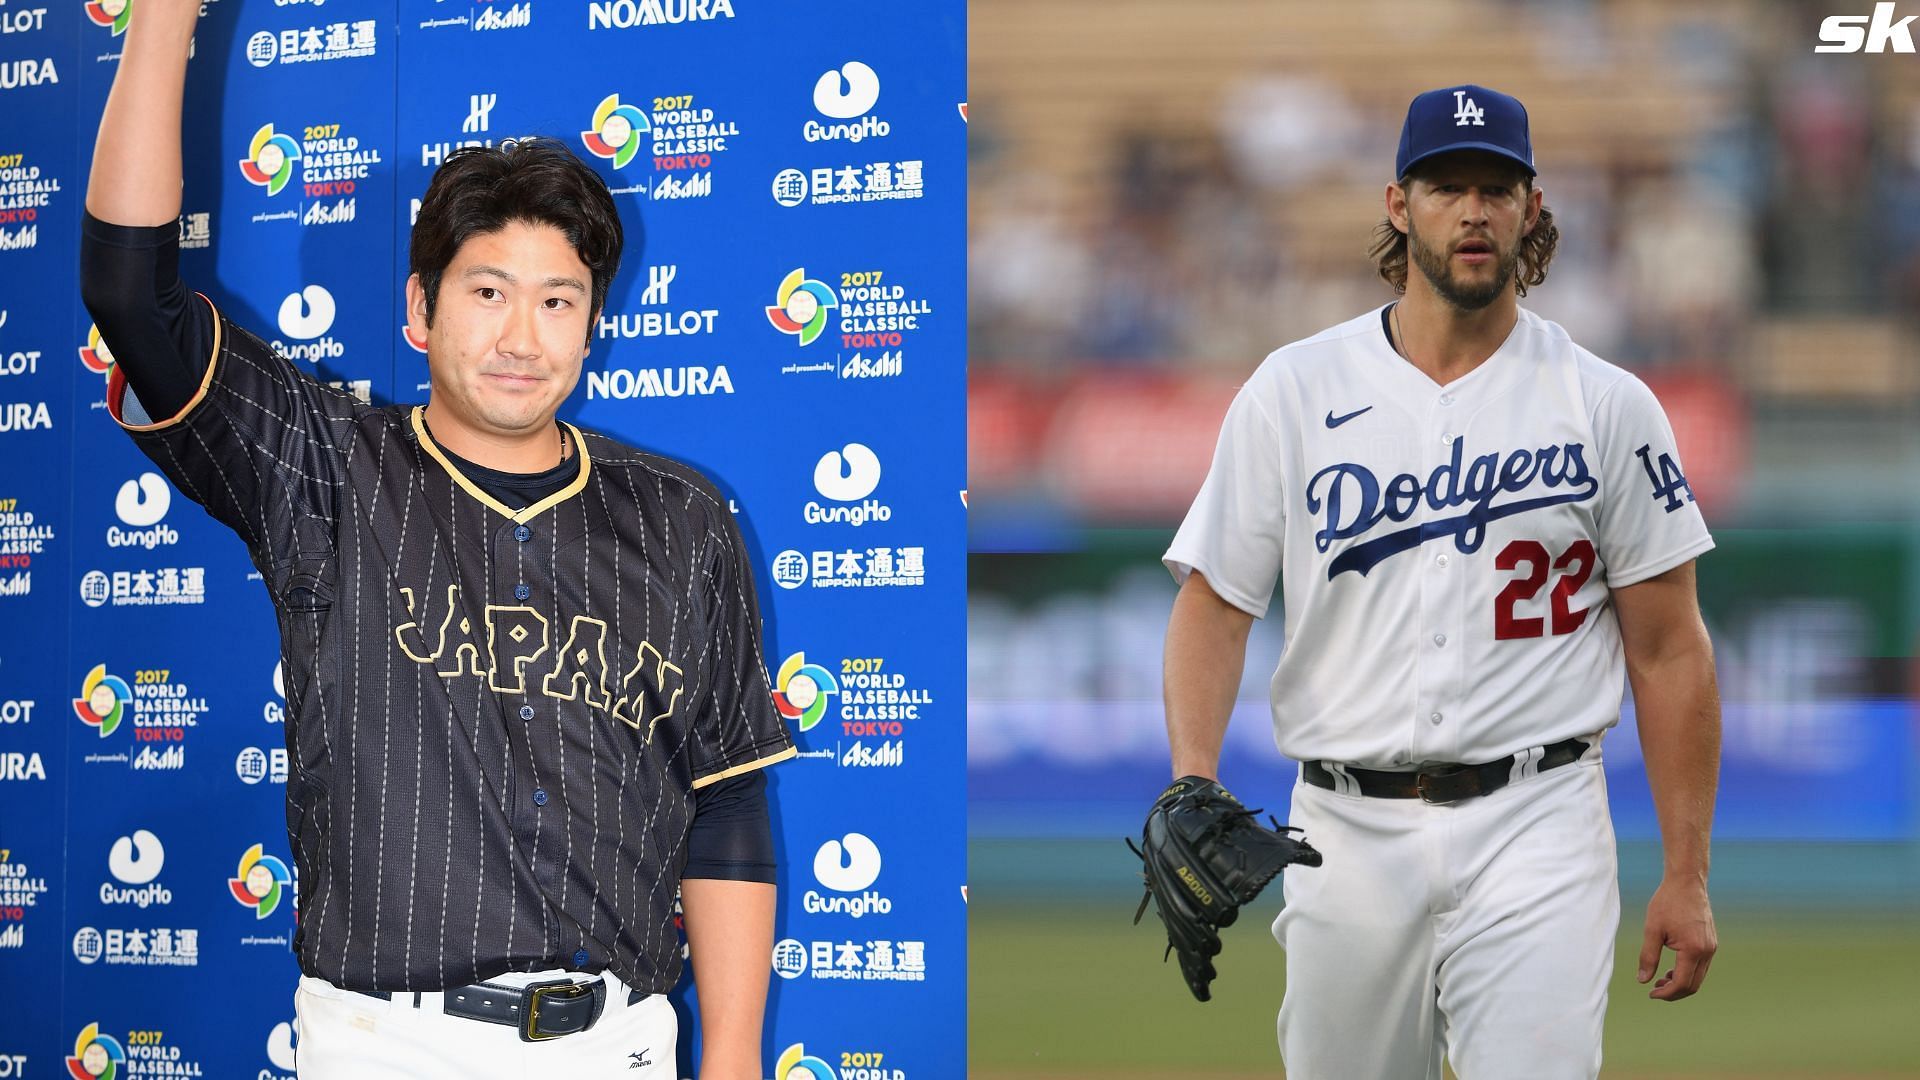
<point x="738" y="730"/>
<point x="1234" y="532"/>
<point x="257" y="444"/>
<point x="1648" y="520"/>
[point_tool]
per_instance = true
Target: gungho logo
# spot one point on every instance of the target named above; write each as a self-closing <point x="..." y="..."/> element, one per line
<point x="847" y="865"/>
<point x="847" y="476"/>
<point x="847" y="93"/>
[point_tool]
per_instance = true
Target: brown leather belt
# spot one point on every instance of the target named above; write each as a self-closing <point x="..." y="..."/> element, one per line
<point x="1443" y="783"/>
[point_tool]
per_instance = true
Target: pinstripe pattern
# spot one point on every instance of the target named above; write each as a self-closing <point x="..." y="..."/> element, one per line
<point x="427" y="859"/>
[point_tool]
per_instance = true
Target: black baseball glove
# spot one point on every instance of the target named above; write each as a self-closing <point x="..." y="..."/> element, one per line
<point x="1204" y="855"/>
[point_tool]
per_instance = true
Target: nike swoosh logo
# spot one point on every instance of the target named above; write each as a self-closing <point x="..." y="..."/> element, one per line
<point x="1335" y="421"/>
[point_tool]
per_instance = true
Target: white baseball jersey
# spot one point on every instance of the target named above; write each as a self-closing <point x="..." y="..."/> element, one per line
<point x="1446" y="551"/>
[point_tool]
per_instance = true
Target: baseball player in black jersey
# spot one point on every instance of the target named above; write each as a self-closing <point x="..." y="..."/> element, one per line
<point x="526" y="696"/>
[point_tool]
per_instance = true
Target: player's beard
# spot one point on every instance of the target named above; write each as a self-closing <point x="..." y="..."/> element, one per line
<point x="1437" y="267"/>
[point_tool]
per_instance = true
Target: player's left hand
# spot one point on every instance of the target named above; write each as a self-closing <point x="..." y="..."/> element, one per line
<point x="1678" y="918"/>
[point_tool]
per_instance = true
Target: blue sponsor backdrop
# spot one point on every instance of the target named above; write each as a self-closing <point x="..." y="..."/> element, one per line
<point x="788" y="318"/>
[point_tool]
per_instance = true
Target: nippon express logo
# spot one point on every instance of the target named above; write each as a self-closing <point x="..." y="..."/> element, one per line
<point x="1876" y="33"/>
<point x="847" y="866"/>
<point x="873" y="181"/>
<point x="857" y="961"/>
<point x="140" y="504"/>
<point x="846" y="94"/>
<point x="846" y="477"/>
<point x="261" y="882"/>
<point x="254" y="765"/>
<point x="161" y="586"/>
<point x="872" y="567"/>
<point x="313" y="44"/>
<point x="135" y="861"/>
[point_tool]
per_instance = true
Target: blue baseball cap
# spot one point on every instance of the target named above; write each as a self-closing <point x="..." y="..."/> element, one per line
<point x="1464" y="118"/>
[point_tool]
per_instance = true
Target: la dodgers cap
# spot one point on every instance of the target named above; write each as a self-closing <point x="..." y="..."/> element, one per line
<point x="1465" y="117"/>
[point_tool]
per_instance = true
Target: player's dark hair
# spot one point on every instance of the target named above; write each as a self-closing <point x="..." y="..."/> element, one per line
<point x="483" y="189"/>
<point x="1389" y="250"/>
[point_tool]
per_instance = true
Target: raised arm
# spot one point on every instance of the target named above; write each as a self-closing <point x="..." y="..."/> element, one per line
<point x="139" y="182"/>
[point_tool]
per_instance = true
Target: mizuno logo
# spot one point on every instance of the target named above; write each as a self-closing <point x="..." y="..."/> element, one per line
<point x="1335" y="421"/>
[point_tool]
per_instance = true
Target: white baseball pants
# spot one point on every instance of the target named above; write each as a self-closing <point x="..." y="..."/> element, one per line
<point x="343" y="1035"/>
<point x="1482" y="931"/>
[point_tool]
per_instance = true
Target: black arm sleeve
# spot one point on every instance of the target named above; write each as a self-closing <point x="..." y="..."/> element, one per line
<point x="159" y="334"/>
<point x="732" y="837"/>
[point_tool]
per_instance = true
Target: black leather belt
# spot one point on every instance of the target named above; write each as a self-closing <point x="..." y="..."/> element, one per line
<point x="1440" y="784"/>
<point x="539" y="1011"/>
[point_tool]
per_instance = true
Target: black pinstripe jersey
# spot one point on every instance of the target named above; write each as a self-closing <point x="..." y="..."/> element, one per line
<point x="496" y="718"/>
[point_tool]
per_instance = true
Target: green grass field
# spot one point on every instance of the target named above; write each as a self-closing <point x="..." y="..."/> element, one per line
<point x="1071" y="990"/>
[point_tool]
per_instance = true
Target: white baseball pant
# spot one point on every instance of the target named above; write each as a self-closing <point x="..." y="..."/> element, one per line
<point x="1482" y="931"/>
<point x="343" y="1035"/>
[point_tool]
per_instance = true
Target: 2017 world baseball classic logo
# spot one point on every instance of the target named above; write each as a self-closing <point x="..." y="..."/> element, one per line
<point x="99" y="1056"/>
<point x="20" y="892"/>
<point x="26" y="189"/>
<point x="261" y="882"/>
<point x="156" y="705"/>
<point x="796" y="1063"/>
<point x="682" y="136"/>
<point x="861" y="713"/>
<point x="24" y="536"/>
<point x="874" y="317"/>
<point x="331" y="161"/>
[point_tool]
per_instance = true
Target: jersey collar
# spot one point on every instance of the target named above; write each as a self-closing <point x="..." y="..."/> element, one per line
<point x="579" y="484"/>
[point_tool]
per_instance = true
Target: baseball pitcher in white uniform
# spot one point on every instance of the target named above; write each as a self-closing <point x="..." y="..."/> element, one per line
<point x="1477" y="526"/>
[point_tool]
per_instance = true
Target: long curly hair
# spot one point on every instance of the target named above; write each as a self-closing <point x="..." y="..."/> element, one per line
<point x="1389" y="251"/>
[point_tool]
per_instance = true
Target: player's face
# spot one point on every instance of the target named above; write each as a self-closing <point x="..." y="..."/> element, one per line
<point x="509" y="331"/>
<point x="1465" y="217"/>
